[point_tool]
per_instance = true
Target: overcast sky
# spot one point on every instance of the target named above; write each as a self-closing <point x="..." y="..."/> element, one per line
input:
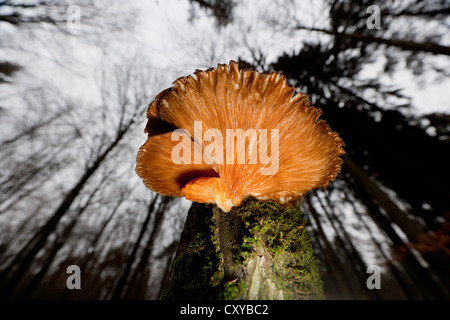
<point x="170" y="38"/>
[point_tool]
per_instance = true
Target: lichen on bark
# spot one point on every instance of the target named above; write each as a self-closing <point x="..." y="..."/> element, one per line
<point x="259" y="250"/>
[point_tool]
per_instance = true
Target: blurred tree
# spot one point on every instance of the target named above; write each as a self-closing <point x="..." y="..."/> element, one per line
<point x="126" y="96"/>
<point x="26" y="12"/>
<point x="386" y="150"/>
<point x="7" y="69"/>
<point x="37" y="13"/>
<point x="222" y="10"/>
<point x="67" y="181"/>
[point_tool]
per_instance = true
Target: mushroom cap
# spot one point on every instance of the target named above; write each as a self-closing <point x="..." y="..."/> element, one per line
<point x="240" y="113"/>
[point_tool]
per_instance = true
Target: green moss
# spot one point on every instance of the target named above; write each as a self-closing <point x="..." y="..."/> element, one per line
<point x="233" y="290"/>
<point x="281" y="230"/>
<point x="271" y="253"/>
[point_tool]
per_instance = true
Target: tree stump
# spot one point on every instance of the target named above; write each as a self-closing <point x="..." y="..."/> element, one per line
<point x="259" y="250"/>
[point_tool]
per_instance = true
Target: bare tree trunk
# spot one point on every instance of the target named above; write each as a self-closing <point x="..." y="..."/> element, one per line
<point x="402" y="44"/>
<point x="126" y="272"/>
<point x="137" y="285"/>
<point x="259" y="250"/>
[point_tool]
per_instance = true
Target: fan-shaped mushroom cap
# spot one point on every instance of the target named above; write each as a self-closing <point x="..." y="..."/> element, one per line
<point x="240" y="112"/>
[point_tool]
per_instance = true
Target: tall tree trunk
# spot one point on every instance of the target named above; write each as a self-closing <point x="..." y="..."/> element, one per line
<point x="137" y="285"/>
<point x="259" y="250"/>
<point x="120" y="287"/>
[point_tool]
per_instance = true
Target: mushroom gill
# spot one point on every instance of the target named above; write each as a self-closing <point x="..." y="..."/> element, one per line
<point x="237" y="133"/>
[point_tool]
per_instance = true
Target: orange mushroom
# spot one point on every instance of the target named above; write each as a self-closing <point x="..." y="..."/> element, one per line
<point x="226" y="133"/>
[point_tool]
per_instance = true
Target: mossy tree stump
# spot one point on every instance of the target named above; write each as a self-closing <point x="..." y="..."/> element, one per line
<point x="259" y="250"/>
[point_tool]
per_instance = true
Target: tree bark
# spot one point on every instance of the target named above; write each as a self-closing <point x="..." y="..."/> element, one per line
<point x="259" y="250"/>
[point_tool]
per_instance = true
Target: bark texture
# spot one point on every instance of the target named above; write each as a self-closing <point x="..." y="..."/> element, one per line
<point x="259" y="250"/>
